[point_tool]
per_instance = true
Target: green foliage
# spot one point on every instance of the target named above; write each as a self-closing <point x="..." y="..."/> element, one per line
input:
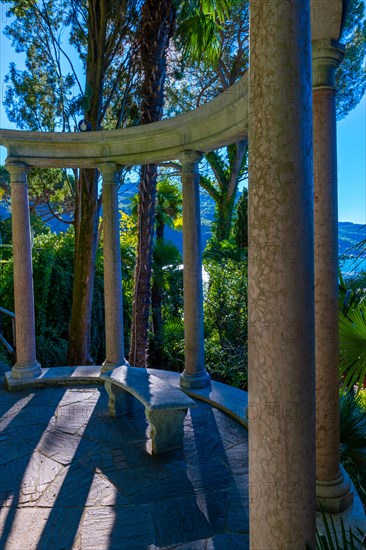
<point x="172" y="297"/>
<point x="53" y="260"/>
<point x="173" y="344"/>
<point x="351" y="73"/>
<point x="353" y="429"/>
<point x="220" y="251"/>
<point x="199" y="27"/>
<point x="229" y="168"/>
<point x="352" y="337"/>
<point x="353" y="438"/>
<point x="5" y="230"/>
<point x="226" y="314"/>
<point x="240" y="229"/>
<point x="331" y="540"/>
<point x="168" y="284"/>
<point x="168" y="206"/>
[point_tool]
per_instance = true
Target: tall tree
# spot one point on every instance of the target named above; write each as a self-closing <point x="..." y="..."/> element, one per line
<point x="229" y="170"/>
<point x="168" y="213"/>
<point x="88" y="205"/>
<point x="351" y="73"/>
<point x="198" y="83"/>
<point x="157" y="26"/>
<point x="199" y="24"/>
<point x="43" y="98"/>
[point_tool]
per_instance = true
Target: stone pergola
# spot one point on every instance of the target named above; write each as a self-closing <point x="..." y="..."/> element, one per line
<point x="283" y="106"/>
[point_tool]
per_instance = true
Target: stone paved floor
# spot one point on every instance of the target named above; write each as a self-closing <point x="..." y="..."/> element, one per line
<point x="74" y="478"/>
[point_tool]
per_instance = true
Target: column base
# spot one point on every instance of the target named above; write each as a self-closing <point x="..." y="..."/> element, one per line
<point x="195" y="381"/>
<point x="336" y="495"/>
<point x="107" y="366"/>
<point x="26" y="371"/>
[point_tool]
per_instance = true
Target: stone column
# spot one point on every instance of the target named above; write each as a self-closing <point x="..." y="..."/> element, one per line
<point x="333" y="486"/>
<point x="26" y="365"/>
<point x="281" y="411"/>
<point x="113" y="301"/>
<point x="195" y="374"/>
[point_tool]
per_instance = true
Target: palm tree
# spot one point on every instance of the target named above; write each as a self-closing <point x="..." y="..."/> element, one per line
<point x="168" y="213"/>
<point x="168" y="207"/>
<point x="105" y="24"/>
<point x="157" y="26"/>
<point x="166" y="257"/>
<point x="199" y="26"/>
<point x="352" y="337"/>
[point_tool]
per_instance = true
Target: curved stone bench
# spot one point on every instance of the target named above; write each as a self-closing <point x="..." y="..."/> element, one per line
<point x="165" y="405"/>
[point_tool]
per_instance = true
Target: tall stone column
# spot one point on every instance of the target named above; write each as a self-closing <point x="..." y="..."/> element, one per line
<point x="333" y="486"/>
<point x="195" y="374"/>
<point x="26" y="365"/>
<point x="113" y="301"/>
<point x="281" y="411"/>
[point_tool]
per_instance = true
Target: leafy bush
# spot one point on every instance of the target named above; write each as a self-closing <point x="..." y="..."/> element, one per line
<point x="353" y="439"/>
<point x="226" y="313"/>
<point x="53" y="260"/>
<point x="352" y="337"/>
<point x="173" y="344"/>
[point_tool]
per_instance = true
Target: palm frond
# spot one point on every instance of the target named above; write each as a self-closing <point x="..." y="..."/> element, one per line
<point x="352" y="340"/>
<point x="353" y="428"/>
<point x="330" y="540"/>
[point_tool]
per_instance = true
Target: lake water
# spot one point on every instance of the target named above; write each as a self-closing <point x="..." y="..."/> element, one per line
<point x="352" y="266"/>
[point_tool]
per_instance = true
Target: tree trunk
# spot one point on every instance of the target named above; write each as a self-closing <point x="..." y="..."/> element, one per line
<point x="87" y="205"/>
<point x="157" y="25"/>
<point x="224" y="216"/>
<point x="84" y="270"/>
<point x="157" y="324"/>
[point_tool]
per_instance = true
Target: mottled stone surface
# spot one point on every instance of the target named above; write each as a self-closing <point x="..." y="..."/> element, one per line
<point x="333" y="487"/>
<point x="218" y="123"/>
<point x="281" y="408"/>
<point x="74" y="478"/>
<point x="26" y="365"/>
<point x="194" y="374"/>
<point x="113" y="300"/>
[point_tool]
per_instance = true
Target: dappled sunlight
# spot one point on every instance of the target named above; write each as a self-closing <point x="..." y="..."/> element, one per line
<point x="79" y="467"/>
<point x="7" y="417"/>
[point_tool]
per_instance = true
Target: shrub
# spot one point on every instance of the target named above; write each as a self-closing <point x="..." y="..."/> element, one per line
<point x="226" y="313"/>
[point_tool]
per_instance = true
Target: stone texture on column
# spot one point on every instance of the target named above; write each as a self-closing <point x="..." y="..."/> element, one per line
<point x="281" y="410"/>
<point x="333" y="486"/>
<point x="195" y="374"/>
<point x="113" y="300"/>
<point x="26" y="365"/>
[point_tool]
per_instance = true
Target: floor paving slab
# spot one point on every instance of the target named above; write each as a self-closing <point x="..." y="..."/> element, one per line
<point x="129" y="528"/>
<point x="77" y="479"/>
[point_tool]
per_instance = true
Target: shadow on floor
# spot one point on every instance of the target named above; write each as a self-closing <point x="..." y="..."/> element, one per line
<point x="74" y="478"/>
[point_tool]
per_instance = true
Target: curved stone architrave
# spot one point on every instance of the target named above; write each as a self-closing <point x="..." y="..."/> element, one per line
<point x="327" y="18"/>
<point x="222" y="121"/>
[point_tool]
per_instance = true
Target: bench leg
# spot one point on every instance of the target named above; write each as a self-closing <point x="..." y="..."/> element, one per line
<point x="166" y="429"/>
<point x="120" y="401"/>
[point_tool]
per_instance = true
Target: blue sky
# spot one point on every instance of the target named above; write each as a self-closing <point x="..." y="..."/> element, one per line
<point x="351" y="143"/>
<point x="351" y="134"/>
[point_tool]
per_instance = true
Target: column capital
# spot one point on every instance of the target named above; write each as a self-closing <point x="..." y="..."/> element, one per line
<point x="189" y="157"/>
<point x="327" y="55"/>
<point x="109" y="171"/>
<point x="18" y="171"/>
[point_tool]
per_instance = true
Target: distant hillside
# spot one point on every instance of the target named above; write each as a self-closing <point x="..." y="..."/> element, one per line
<point x="207" y="216"/>
<point x="350" y="234"/>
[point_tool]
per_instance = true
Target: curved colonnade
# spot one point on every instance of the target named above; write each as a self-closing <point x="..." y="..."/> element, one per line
<point x="284" y="308"/>
<point x="222" y="121"/>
